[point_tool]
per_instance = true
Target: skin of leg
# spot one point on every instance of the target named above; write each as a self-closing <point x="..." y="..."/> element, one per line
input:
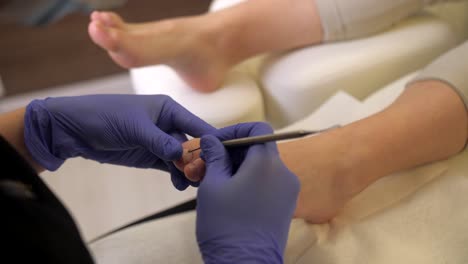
<point x="427" y="123"/>
<point x="203" y="48"/>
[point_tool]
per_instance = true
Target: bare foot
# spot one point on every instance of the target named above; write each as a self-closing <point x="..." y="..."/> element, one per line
<point x="185" y="44"/>
<point x="325" y="186"/>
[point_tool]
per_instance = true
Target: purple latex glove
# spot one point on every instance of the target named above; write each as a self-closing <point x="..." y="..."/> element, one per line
<point x="244" y="212"/>
<point x="143" y="131"/>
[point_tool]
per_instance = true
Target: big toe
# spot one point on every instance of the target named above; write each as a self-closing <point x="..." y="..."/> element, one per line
<point x="106" y="38"/>
<point x="111" y="19"/>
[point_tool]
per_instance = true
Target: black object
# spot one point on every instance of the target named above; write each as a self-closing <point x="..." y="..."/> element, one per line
<point x="34" y="225"/>
<point x="181" y="208"/>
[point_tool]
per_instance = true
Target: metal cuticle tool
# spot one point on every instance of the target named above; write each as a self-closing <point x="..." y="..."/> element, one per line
<point x="246" y="141"/>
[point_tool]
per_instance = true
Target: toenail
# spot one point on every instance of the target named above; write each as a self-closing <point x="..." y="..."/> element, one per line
<point x="187" y="156"/>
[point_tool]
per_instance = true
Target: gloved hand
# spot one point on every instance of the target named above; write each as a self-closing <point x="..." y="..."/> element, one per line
<point x="130" y="130"/>
<point x="244" y="212"/>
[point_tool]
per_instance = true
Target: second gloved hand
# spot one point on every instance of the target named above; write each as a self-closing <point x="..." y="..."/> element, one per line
<point x="245" y="201"/>
<point x="131" y="130"/>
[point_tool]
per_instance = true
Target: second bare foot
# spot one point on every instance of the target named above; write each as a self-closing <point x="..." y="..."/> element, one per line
<point x="184" y="44"/>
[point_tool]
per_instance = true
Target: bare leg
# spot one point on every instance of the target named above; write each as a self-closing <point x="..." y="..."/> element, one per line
<point x="203" y="48"/>
<point x="427" y="123"/>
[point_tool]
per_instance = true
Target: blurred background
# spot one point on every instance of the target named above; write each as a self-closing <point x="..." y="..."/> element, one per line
<point x="44" y="43"/>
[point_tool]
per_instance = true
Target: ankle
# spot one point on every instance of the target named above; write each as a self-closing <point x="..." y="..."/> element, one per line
<point x="224" y="35"/>
<point x="358" y="161"/>
<point x="348" y="167"/>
